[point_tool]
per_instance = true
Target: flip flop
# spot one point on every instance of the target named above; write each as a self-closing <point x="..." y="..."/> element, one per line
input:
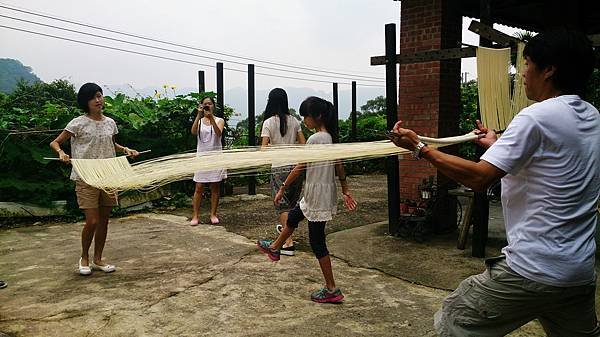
<point x="194" y="223"/>
<point x="214" y="223"/>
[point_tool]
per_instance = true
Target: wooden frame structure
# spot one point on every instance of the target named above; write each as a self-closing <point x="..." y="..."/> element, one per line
<point x="391" y="60"/>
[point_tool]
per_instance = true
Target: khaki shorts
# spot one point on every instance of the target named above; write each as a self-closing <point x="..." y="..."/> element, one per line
<point x="499" y="301"/>
<point x="91" y="197"/>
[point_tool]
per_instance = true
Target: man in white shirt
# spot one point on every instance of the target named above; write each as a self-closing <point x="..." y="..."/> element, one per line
<point x="549" y="162"/>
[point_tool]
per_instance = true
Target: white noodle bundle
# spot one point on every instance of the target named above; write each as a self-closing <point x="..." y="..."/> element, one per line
<point x="116" y="174"/>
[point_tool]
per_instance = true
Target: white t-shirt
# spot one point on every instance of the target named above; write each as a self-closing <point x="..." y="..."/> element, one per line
<point x="91" y="139"/>
<point x="319" y="201"/>
<point x="551" y="154"/>
<point x="270" y="129"/>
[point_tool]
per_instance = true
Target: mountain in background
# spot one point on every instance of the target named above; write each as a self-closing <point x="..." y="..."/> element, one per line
<point x="13" y="71"/>
<point x="237" y="98"/>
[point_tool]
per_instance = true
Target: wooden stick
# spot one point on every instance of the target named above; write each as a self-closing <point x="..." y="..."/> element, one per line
<point x="141" y="152"/>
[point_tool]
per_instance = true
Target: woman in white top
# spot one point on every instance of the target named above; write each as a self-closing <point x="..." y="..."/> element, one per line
<point x="279" y="127"/>
<point x="92" y="137"/>
<point x="208" y="128"/>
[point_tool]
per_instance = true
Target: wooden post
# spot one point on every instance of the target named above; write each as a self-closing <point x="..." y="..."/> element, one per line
<point x="391" y="95"/>
<point x="336" y="137"/>
<point x="353" y="112"/>
<point x="201" y="86"/>
<point x="221" y="110"/>
<point x="481" y="205"/>
<point x="251" y="123"/>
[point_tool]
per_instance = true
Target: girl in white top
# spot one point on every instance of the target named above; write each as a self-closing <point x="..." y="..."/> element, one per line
<point x="208" y="128"/>
<point x="92" y="137"/>
<point x="279" y="127"/>
<point x="319" y="203"/>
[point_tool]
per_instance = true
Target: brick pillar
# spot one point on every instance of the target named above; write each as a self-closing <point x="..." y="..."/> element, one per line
<point x="429" y="92"/>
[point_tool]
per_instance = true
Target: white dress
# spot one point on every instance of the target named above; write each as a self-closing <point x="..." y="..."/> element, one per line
<point x="208" y="141"/>
<point x="319" y="202"/>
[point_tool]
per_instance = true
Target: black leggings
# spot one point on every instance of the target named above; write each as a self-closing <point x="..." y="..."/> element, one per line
<point x="316" y="231"/>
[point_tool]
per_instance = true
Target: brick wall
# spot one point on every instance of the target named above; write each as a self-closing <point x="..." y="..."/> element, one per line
<point x="429" y="92"/>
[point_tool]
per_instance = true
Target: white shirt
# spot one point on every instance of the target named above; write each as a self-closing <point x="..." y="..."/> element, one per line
<point x="551" y="154"/>
<point x="91" y="139"/>
<point x="270" y="128"/>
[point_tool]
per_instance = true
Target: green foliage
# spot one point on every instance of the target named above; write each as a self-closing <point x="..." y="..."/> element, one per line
<point x="375" y="106"/>
<point x="468" y="116"/>
<point x="12" y="72"/>
<point x="593" y="91"/>
<point x="33" y="115"/>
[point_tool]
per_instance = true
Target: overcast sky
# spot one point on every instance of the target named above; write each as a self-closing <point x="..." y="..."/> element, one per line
<point x="336" y="35"/>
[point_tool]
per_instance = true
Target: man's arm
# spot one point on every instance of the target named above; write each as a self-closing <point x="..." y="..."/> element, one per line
<point x="478" y="176"/>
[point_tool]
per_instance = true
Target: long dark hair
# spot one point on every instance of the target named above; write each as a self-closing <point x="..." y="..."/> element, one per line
<point x="321" y="110"/>
<point x="277" y="104"/>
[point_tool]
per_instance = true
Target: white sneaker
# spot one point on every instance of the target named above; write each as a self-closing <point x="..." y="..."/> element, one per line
<point x="289" y="251"/>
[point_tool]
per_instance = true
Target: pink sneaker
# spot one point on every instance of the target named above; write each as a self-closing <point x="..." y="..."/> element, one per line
<point x="324" y="295"/>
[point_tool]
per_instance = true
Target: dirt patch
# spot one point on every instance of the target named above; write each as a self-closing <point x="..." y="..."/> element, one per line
<point x="256" y="219"/>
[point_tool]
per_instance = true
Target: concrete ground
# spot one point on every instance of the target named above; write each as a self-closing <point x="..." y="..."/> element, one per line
<point x="177" y="280"/>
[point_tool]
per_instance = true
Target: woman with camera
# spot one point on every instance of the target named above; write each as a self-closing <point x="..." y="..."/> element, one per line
<point x="208" y="129"/>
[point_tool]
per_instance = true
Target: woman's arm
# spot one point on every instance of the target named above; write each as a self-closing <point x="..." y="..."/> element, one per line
<point x="127" y="151"/>
<point x="217" y="125"/>
<point x="194" y="129"/>
<point x="265" y="141"/>
<point x="294" y="174"/>
<point x="300" y="137"/>
<point x="55" y="145"/>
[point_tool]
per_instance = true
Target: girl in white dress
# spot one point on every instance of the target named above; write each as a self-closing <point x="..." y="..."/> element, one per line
<point x="319" y="203"/>
<point x="208" y="128"/>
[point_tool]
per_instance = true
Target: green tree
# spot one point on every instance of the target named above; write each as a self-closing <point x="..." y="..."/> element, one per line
<point x="12" y="72"/>
<point x="375" y="106"/>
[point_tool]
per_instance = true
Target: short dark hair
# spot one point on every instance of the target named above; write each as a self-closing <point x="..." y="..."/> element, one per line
<point x="570" y="52"/>
<point x="86" y="93"/>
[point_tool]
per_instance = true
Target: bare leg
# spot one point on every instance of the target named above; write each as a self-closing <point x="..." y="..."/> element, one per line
<point x="92" y="217"/>
<point x="196" y="201"/>
<point x="214" y="201"/>
<point x="100" y="235"/>
<point x="283" y="221"/>
<point x="285" y="234"/>
<point x="325" y="264"/>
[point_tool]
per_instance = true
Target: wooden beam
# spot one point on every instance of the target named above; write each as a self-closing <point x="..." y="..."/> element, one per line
<point x="427" y="56"/>
<point x="491" y="34"/>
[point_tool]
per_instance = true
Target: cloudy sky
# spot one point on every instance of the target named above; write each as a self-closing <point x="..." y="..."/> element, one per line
<point x="334" y="35"/>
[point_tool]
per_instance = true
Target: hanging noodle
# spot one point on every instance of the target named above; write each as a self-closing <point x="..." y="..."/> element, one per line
<point x="116" y="174"/>
<point x="493" y="86"/>
<point x="497" y="107"/>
